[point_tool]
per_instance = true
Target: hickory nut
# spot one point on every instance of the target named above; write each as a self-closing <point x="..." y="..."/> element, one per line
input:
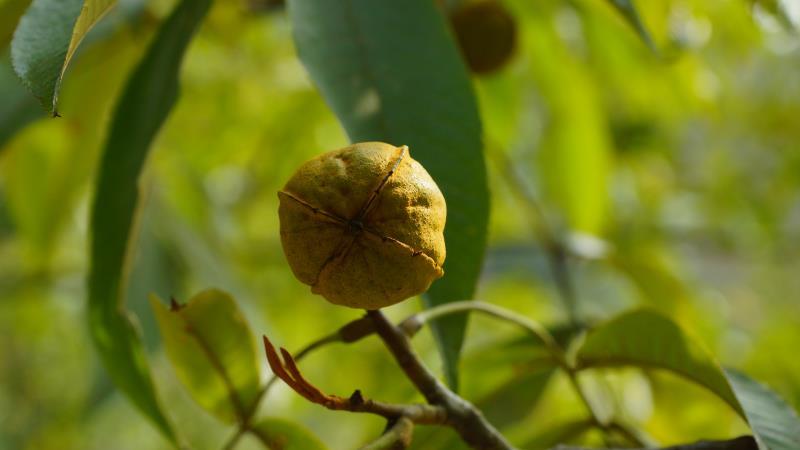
<point x="363" y="225"/>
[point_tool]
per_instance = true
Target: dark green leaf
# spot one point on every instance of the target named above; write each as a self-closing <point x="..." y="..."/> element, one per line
<point x="279" y="434"/>
<point x="774" y="423"/>
<point x="46" y="39"/>
<point x="212" y="350"/>
<point x="391" y="72"/>
<point x="147" y="99"/>
<point x="645" y="338"/>
<point x="628" y="11"/>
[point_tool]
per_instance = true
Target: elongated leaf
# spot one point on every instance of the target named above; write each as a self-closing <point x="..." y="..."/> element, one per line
<point x="628" y="11"/>
<point x="143" y="107"/>
<point x="391" y="72"/>
<point x="212" y="350"/>
<point x="648" y="339"/>
<point x="284" y="435"/>
<point x="46" y="39"/>
<point x="774" y="423"/>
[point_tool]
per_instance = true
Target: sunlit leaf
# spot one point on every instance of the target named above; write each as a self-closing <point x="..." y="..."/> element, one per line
<point x="645" y="338"/>
<point x="628" y="11"/>
<point x="148" y="97"/>
<point x="391" y="72"/>
<point x="46" y="39"/>
<point x="284" y="435"/>
<point x="774" y="423"/>
<point x="212" y="350"/>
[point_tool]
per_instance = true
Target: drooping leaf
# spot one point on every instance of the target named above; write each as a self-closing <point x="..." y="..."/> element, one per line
<point x="212" y="350"/>
<point x="284" y="435"/>
<point x="145" y="103"/>
<point x="646" y="338"/>
<point x="774" y="423"/>
<point x="46" y="39"/>
<point x="386" y="82"/>
<point x="631" y="15"/>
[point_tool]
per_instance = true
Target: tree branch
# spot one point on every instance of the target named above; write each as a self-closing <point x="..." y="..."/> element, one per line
<point x="740" y="443"/>
<point x="462" y="416"/>
<point x="285" y="368"/>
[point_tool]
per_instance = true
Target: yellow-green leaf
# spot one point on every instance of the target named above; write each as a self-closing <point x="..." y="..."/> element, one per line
<point x="213" y="352"/>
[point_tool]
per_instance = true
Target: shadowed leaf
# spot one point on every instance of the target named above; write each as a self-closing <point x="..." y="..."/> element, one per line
<point x="645" y="338"/>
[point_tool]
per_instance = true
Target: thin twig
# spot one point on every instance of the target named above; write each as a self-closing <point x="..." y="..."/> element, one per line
<point x="412" y="324"/>
<point x="285" y="368"/>
<point x="245" y="422"/>
<point x="470" y="424"/>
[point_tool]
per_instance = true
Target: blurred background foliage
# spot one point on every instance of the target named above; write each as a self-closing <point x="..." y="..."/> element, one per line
<point x="674" y="172"/>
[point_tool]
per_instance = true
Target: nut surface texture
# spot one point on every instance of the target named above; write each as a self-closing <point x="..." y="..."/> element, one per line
<point x="363" y="225"/>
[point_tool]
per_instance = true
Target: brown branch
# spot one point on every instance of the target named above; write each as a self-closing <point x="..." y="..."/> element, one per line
<point x="462" y="416"/>
<point x="351" y="332"/>
<point x="740" y="443"/>
<point x="286" y="369"/>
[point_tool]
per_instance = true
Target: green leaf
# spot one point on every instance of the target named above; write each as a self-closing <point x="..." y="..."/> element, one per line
<point x="280" y="434"/>
<point x="46" y="39"/>
<point x="646" y="338"/>
<point x="774" y="423"/>
<point x="145" y="103"/>
<point x="212" y="350"/>
<point x="628" y="11"/>
<point x="391" y="72"/>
